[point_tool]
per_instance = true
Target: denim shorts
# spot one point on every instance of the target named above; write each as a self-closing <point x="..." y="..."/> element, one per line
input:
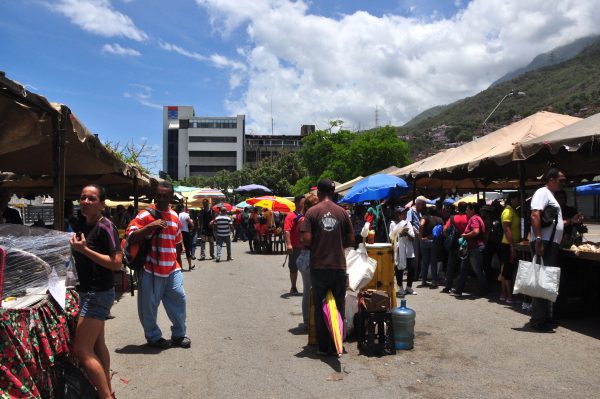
<point x="96" y="304"/>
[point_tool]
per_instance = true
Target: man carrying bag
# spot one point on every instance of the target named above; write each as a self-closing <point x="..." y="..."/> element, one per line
<point x="547" y="227"/>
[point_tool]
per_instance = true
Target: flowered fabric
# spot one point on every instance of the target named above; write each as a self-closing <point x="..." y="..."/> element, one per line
<point x="31" y="340"/>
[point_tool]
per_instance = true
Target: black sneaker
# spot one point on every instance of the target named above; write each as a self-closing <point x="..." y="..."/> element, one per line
<point x="542" y="327"/>
<point x="446" y="290"/>
<point x="217" y="260"/>
<point x="161" y="343"/>
<point x="229" y="259"/>
<point x="456" y="292"/>
<point x="203" y="258"/>
<point x="181" y="342"/>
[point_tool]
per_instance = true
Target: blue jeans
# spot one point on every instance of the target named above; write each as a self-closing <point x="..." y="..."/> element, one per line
<point x="96" y="304"/>
<point x="194" y="243"/>
<point x="170" y="291"/>
<point x="220" y="241"/>
<point x="429" y="249"/>
<point x="475" y="260"/>
<point x="305" y="295"/>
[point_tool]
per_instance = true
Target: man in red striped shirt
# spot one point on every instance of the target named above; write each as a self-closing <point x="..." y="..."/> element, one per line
<point x="161" y="279"/>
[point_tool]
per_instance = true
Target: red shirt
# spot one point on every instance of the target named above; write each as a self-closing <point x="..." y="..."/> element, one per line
<point x="290" y="224"/>
<point x="476" y="222"/>
<point x="261" y="229"/>
<point x="460" y="222"/>
<point x="163" y="254"/>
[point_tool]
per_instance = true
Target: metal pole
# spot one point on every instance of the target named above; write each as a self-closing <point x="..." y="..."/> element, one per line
<point x="521" y="169"/>
<point x="135" y="195"/>
<point x="59" y="163"/>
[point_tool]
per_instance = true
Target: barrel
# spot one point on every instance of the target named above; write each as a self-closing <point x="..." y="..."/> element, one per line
<point x="403" y="319"/>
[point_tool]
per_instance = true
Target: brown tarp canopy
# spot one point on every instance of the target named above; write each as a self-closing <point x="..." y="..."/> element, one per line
<point x="53" y="151"/>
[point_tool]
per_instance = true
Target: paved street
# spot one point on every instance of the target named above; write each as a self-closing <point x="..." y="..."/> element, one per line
<point x="246" y="344"/>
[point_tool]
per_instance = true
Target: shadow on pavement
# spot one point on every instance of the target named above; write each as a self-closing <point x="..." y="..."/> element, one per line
<point x="138" y="349"/>
<point x="288" y="295"/>
<point x="589" y="326"/>
<point x="299" y="330"/>
<point x="310" y="352"/>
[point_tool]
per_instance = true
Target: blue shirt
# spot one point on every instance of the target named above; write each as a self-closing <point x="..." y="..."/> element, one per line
<point x="414" y="217"/>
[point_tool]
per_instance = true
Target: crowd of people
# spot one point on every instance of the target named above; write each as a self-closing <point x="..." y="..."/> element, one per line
<point x="437" y="245"/>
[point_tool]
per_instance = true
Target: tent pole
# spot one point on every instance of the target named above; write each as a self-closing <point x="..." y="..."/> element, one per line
<point x="136" y="195"/>
<point x="521" y="169"/>
<point x="414" y="191"/>
<point x="60" y="170"/>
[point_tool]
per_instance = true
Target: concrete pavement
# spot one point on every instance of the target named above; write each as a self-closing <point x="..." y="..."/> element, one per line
<point x="246" y="344"/>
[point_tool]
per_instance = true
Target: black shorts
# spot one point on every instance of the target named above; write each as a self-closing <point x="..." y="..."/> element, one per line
<point x="508" y="268"/>
<point x="293" y="257"/>
<point x="187" y="242"/>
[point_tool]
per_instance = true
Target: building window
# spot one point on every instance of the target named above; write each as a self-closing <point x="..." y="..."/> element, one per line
<point x="214" y="154"/>
<point x="212" y="139"/>
<point x="172" y="153"/>
<point x="214" y="123"/>
<point x="210" y="168"/>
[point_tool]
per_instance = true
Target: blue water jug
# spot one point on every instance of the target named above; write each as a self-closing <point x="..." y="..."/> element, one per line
<point x="403" y="319"/>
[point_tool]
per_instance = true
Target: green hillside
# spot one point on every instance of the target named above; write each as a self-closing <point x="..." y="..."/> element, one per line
<point x="571" y="87"/>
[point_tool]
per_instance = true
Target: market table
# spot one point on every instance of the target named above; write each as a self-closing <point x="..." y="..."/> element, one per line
<point x="579" y="291"/>
<point x="32" y="340"/>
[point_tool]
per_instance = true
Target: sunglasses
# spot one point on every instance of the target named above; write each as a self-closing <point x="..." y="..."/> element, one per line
<point x="90" y="198"/>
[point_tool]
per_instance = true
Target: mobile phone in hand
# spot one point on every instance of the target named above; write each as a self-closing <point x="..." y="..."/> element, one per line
<point x="78" y="236"/>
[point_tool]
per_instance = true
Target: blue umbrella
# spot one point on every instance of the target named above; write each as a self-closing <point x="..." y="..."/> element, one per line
<point x="254" y="189"/>
<point x="375" y="188"/>
<point x="242" y="205"/>
<point x="588" y="189"/>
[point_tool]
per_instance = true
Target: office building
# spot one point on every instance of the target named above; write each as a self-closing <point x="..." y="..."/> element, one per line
<point x="259" y="147"/>
<point x="201" y="146"/>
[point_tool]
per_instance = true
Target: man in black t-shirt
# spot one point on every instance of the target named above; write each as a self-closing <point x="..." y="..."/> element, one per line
<point x="8" y="215"/>
<point x="327" y="229"/>
<point x="206" y="230"/>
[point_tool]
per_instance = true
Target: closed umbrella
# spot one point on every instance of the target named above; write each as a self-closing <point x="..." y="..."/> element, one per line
<point x="334" y="322"/>
<point x="276" y="204"/>
<point x="375" y="188"/>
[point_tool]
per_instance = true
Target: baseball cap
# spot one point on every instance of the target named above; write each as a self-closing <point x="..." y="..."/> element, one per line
<point x="326" y="186"/>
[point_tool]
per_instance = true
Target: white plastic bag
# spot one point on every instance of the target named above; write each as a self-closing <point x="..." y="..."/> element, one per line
<point x="364" y="233"/>
<point x="360" y="267"/>
<point x="537" y="280"/>
<point x="350" y="309"/>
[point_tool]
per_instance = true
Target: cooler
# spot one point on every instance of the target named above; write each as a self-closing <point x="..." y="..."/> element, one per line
<point x="384" y="278"/>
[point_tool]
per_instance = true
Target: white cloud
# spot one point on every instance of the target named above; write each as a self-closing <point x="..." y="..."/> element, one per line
<point x="316" y="68"/>
<point x="143" y="95"/>
<point x="117" y="49"/>
<point x="216" y="60"/>
<point x="99" y="17"/>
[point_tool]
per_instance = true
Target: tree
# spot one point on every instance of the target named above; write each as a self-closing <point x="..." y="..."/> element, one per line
<point x="138" y="155"/>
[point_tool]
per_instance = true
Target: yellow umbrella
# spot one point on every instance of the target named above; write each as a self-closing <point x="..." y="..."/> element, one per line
<point x="277" y="204"/>
<point x="470" y="199"/>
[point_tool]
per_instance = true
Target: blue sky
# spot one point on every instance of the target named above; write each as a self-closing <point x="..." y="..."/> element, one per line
<point x="115" y="63"/>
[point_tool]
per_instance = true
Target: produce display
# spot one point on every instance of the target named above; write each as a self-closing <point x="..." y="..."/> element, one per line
<point x="589" y="247"/>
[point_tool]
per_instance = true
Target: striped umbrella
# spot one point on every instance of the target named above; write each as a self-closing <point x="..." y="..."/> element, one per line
<point x="208" y="193"/>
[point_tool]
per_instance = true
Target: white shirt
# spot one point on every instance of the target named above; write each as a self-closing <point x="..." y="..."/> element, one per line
<point x="404" y="244"/>
<point x="184" y="217"/>
<point x="540" y="200"/>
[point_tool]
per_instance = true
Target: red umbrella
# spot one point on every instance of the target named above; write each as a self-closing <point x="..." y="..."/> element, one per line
<point x="218" y="207"/>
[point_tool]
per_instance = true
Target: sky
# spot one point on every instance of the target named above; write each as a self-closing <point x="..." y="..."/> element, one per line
<point x="115" y="63"/>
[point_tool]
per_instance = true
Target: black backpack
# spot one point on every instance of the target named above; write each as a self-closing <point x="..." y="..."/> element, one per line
<point x="133" y="259"/>
<point x="452" y="235"/>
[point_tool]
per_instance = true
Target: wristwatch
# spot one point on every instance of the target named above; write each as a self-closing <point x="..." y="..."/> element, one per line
<point x="538" y="238"/>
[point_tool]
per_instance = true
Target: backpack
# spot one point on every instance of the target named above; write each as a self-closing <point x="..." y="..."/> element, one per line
<point x="437" y="231"/>
<point x="134" y="255"/>
<point x="496" y="232"/>
<point x="452" y="235"/>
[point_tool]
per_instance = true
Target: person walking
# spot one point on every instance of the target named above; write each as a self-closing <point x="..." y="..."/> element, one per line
<point x="222" y="226"/>
<point x="97" y="255"/>
<point x="310" y="201"/>
<point x="328" y="230"/>
<point x="429" y="246"/>
<point x="414" y="215"/>
<point x="474" y="235"/>
<point x="195" y="231"/>
<point x="512" y="235"/>
<point x="186" y="227"/>
<point x="403" y="235"/>
<point x="292" y="239"/>
<point x="162" y="279"/>
<point x="455" y="226"/>
<point x="547" y="226"/>
<point x="206" y="230"/>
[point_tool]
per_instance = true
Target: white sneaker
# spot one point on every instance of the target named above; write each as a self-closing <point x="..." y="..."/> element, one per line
<point x="410" y="291"/>
<point x="401" y="291"/>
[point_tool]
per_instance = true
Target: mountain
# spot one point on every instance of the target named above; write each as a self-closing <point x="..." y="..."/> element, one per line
<point x="570" y="87"/>
<point x="555" y="56"/>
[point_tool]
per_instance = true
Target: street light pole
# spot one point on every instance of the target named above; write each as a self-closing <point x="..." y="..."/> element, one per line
<point x="509" y="94"/>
